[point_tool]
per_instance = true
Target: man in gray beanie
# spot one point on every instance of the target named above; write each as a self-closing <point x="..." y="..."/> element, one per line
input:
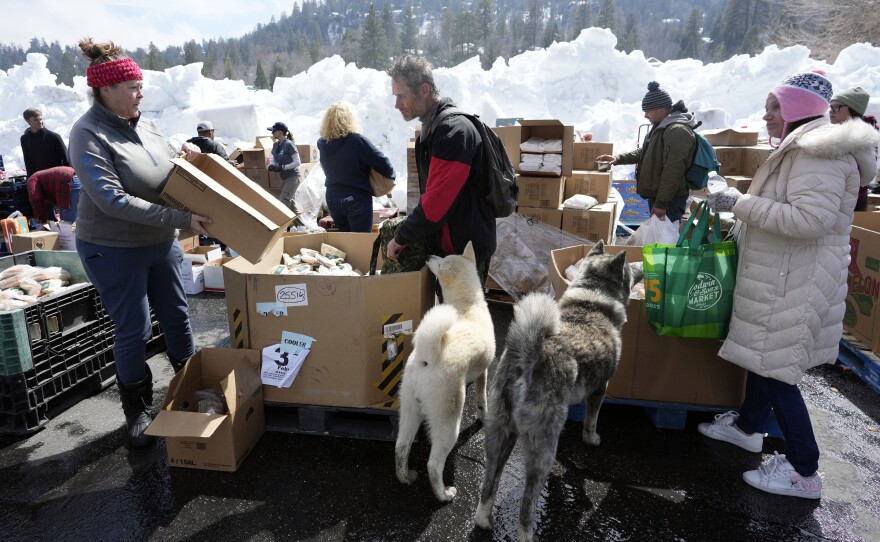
<point x="665" y="155"/>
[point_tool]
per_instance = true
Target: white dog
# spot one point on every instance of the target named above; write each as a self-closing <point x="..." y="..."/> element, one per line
<point x="453" y="346"/>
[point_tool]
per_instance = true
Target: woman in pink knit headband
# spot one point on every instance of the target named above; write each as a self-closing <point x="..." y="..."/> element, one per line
<point x="125" y="235"/>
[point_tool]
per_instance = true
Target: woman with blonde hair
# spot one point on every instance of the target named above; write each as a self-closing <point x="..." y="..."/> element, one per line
<point x="125" y="235"/>
<point x="347" y="157"/>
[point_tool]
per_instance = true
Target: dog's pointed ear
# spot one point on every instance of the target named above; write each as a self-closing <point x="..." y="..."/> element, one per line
<point x="637" y="272"/>
<point x="618" y="262"/>
<point x="598" y="248"/>
<point x="469" y="252"/>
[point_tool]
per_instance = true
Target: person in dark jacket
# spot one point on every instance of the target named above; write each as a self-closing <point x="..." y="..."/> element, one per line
<point x="347" y="157"/>
<point x="285" y="161"/>
<point x="41" y="147"/>
<point x="665" y="156"/>
<point x="448" y="156"/>
<point x="205" y="141"/>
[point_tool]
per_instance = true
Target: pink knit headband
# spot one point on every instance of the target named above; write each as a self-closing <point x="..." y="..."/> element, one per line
<point x="115" y="71"/>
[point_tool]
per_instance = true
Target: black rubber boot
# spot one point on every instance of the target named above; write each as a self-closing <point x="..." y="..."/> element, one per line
<point x="137" y="402"/>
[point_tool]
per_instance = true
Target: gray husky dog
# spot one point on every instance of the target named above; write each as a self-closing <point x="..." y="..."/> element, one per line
<point x="453" y="346"/>
<point x="556" y="354"/>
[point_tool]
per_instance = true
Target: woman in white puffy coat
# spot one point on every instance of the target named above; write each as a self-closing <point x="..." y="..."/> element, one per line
<point x="792" y="275"/>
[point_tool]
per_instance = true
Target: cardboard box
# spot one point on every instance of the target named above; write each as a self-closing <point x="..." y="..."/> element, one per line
<point x="193" y="276"/>
<point x="753" y="158"/>
<point x="591" y="183"/>
<point x="666" y="369"/>
<point x="731" y="137"/>
<point x="245" y="217"/>
<point x="188" y="239"/>
<point x="259" y="176"/>
<point x="584" y="154"/>
<point x="274" y="180"/>
<point x="213" y="441"/>
<point x="255" y="158"/>
<point x="34" y="240"/>
<point x="863" y="280"/>
<point x="592" y="224"/>
<point x="305" y="169"/>
<point x="347" y="316"/>
<point x="731" y="159"/>
<point x="512" y="136"/>
<point x="308" y="153"/>
<point x="552" y="217"/>
<point x="213" y="274"/>
<point x="739" y="182"/>
<point x="66" y="234"/>
<point x="540" y="191"/>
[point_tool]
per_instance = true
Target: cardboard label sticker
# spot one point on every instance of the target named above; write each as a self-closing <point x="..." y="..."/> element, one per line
<point x="292" y="295"/>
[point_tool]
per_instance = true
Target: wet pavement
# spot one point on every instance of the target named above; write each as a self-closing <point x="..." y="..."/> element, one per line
<point x="75" y="480"/>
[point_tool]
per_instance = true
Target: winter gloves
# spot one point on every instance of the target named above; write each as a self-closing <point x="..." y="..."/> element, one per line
<point x="724" y="200"/>
<point x="274" y="167"/>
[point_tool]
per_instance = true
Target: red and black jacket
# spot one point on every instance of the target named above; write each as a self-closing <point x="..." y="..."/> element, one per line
<point x="448" y="155"/>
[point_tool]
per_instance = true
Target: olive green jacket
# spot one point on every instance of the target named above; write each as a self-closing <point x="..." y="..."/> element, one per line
<point x="663" y="159"/>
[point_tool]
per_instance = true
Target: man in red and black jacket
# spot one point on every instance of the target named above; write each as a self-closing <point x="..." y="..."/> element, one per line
<point x="448" y="156"/>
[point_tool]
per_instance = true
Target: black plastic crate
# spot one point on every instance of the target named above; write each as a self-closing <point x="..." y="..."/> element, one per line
<point x="25" y="406"/>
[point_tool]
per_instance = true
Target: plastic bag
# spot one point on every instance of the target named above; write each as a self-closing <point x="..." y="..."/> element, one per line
<point x="655" y="231"/>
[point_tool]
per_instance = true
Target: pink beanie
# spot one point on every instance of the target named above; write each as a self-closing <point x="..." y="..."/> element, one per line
<point x="803" y="95"/>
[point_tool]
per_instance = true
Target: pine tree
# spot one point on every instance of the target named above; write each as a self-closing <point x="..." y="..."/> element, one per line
<point x="607" y="17"/>
<point x="210" y="60"/>
<point x="751" y="44"/>
<point x="67" y="70"/>
<point x="734" y="24"/>
<point x="191" y="52"/>
<point x="691" y="42"/>
<point x="392" y="41"/>
<point x="260" y="81"/>
<point x="374" y="51"/>
<point x="277" y="71"/>
<point x="410" y="33"/>
<point x="154" y="59"/>
<point x="534" y="26"/>
<point x="550" y="34"/>
<point x="580" y="19"/>
<point x="229" y="69"/>
<point x="630" y="40"/>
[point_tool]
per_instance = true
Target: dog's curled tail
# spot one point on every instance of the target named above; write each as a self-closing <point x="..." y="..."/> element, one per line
<point x="535" y="317"/>
<point x="434" y="325"/>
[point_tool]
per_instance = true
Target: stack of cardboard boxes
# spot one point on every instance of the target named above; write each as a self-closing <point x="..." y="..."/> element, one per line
<point x="256" y="159"/>
<point x="739" y="154"/>
<point x="541" y="194"/>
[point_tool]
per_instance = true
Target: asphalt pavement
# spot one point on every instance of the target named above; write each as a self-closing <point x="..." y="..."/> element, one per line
<point x="76" y="480"/>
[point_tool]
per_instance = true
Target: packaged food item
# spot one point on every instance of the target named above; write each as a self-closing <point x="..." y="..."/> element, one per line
<point x="210" y="401"/>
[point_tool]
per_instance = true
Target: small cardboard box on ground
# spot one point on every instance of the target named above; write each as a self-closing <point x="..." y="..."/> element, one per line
<point x="34" y="240"/>
<point x="591" y="183"/>
<point x="244" y="216"/>
<point x="584" y="154"/>
<point x="592" y="224"/>
<point x="351" y="319"/>
<point x="540" y="191"/>
<point x="213" y="272"/>
<point x="213" y="441"/>
<point x="862" y="317"/>
<point x="552" y="217"/>
<point x="665" y="369"/>
<point x="731" y="137"/>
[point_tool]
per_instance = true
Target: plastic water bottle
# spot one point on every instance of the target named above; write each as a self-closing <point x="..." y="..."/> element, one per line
<point x="716" y="183"/>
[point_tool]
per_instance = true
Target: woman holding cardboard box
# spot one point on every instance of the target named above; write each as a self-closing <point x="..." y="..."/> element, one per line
<point x="125" y="236"/>
<point x="347" y="158"/>
<point x="791" y="281"/>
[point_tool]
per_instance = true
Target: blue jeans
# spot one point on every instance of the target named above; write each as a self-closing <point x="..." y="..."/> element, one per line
<point x="351" y="211"/>
<point x="130" y="281"/>
<point x="786" y="402"/>
<point x="69" y="215"/>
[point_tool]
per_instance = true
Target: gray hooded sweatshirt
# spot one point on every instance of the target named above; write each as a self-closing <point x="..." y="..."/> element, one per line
<point x="122" y="170"/>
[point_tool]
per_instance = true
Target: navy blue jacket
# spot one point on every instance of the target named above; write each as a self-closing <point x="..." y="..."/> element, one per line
<point x="347" y="162"/>
<point x="449" y="158"/>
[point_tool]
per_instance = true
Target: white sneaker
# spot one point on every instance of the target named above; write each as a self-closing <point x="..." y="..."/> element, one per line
<point x="777" y="476"/>
<point x="724" y="429"/>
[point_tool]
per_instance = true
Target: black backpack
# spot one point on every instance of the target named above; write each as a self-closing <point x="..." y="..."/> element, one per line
<point x="497" y="184"/>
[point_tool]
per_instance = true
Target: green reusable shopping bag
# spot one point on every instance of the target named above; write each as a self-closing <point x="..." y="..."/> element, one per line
<point x="689" y="285"/>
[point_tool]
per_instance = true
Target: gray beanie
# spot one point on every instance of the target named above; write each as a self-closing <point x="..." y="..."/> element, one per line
<point x="655" y="98"/>
<point x="854" y="98"/>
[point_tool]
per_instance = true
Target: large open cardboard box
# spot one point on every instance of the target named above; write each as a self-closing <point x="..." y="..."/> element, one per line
<point x="512" y="136"/>
<point x="245" y="216"/>
<point x="349" y="318"/>
<point x="213" y="441"/>
<point x="665" y="369"/>
<point x="862" y="317"/>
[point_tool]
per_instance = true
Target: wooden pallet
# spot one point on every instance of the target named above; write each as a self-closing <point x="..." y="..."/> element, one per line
<point x="668" y="415"/>
<point x="361" y="423"/>
<point x="861" y="360"/>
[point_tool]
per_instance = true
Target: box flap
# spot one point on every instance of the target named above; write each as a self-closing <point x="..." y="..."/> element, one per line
<point x="185" y="424"/>
<point x="241" y="383"/>
<point x="540" y="122"/>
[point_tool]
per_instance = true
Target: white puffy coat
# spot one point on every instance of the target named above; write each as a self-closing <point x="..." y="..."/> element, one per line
<point x="788" y="304"/>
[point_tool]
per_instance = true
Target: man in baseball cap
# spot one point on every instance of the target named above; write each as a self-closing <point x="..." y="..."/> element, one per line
<point x="205" y="141"/>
